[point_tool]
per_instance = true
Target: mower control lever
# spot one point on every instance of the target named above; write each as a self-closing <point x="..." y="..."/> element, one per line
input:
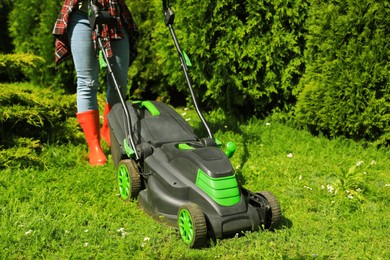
<point x="98" y="17"/>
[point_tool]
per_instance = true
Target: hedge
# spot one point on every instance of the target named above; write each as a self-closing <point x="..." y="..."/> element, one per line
<point x="346" y="87"/>
<point x="246" y="55"/>
<point x="250" y="58"/>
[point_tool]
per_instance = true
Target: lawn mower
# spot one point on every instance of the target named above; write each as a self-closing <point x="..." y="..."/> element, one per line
<point x="178" y="178"/>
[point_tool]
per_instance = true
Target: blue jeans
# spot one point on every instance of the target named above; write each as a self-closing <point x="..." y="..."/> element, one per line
<point x="87" y="65"/>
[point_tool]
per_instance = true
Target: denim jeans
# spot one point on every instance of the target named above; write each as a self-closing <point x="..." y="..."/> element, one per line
<point x="87" y="65"/>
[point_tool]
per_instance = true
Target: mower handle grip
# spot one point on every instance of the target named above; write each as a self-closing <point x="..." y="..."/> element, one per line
<point x="168" y="13"/>
<point x="165" y="5"/>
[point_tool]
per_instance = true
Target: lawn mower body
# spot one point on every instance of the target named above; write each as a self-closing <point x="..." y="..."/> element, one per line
<point x="179" y="168"/>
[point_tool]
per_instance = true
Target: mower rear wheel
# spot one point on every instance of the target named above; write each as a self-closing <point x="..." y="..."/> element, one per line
<point x="274" y="215"/>
<point x="129" y="179"/>
<point x="192" y="225"/>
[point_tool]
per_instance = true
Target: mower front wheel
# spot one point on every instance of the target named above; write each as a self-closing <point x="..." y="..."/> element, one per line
<point x="192" y="225"/>
<point x="129" y="179"/>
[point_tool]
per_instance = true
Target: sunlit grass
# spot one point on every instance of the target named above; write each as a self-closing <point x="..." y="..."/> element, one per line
<point x="334" y="196"/>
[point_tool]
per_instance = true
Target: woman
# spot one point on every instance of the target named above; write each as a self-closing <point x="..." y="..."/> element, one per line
<point x="75" y="37"/>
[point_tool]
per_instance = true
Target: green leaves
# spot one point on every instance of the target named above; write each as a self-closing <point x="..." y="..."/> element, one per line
<point x="29" y="117"/>
<point x="346" y="84"/>
<point x="14" y="66"/>
<point x="246" y="55"/>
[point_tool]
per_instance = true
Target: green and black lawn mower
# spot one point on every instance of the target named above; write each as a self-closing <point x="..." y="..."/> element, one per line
<point x="183" y="180"/>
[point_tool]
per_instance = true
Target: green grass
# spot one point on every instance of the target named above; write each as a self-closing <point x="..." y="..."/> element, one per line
<point x="332" y="209"/>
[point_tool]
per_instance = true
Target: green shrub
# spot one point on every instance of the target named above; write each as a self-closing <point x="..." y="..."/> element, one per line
<point x="246" y="55"/>
<point x="346" y="88"/>
<point x="13" y="67"/>
<point x="30" y="26"/>
<point x="30" y="116"/>
<point x="5" y="43"/>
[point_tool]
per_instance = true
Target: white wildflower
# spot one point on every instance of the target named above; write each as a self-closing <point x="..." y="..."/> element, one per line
<point x="188" y="119"/>
<point x="350" y="196"/>
<point x="267" y="124"/>
<point x="183" y="114"/>
<point x="85" y="244"/>
<point x="300" y="177"/>
<point x="145" y="240"/>
<point x="387" y="185"/>
<point x="372" y="162"/>
<point x="359" y="163"/>
<point x="86" y="231"/>
<point x="330" y="188"/>
<point x="290" y="155"/>
<point x="122" y="231"/>
<point x="28" y="232"/>
<point x="307" y="187"/>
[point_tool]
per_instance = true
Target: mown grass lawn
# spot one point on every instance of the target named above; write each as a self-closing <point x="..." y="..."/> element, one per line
<point x="334" y="197"/>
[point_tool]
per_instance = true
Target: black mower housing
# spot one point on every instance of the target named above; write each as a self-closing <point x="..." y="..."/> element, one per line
<point x="169" y="171"/>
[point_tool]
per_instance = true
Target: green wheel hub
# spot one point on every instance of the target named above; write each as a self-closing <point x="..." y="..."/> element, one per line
<point x="185" y="226"/>
<point x="124" y="182"/>
<point x="192" y="225"/>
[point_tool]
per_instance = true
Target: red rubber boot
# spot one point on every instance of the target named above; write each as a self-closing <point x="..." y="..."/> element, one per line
<point x="89" y="122"/>
<point x="105" y="130"/>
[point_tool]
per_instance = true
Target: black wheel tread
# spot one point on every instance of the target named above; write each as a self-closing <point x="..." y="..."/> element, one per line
<point x="135" y="178"/>
<point x="276" y="212"/>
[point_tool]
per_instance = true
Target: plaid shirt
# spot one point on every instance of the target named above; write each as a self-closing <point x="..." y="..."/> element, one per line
<point x="117" y="9"/>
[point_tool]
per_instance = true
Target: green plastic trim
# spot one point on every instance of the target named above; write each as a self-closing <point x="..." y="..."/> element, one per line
<point x="151" y="108"/>
<point x="186" y="59"/>
<point x="129" y="151"/>
<point x="230" y="149"/>
<point x="222" y="190"/>
<point x="185" y="147"/>
<point x="124" y="182"/>
<point x="102" y="62"/>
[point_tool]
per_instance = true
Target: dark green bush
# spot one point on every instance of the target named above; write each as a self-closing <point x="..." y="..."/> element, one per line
<point x="246" y="55"/>
<point x="31" y="112"/>
<point x="346" y="87"/>
<point x="13" y="67"/>
<point x="5" y="43"/>
<point x="30" y="117"/>
<point x="30" y="25"/>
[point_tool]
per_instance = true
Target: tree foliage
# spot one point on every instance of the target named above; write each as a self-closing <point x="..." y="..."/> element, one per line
<point x="30" y="26"/>
<point x="247" y="55"/>
<point x="13" y="67"/>
<point x="30" y="112"/>
<point x="346" y="87"/>
<point x="249" y="58"/>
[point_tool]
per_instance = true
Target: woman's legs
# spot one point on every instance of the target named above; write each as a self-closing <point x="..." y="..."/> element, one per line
<point x="87" y="70"/>
<point x="86" y="64"/>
